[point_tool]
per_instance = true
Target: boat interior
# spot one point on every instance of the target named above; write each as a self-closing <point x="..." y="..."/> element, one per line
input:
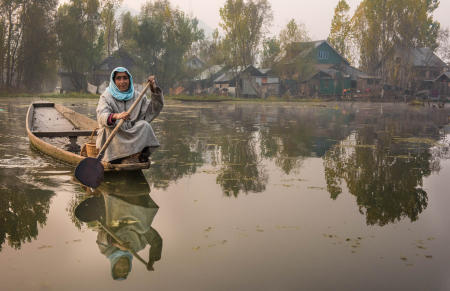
<point x="61" y="127"/>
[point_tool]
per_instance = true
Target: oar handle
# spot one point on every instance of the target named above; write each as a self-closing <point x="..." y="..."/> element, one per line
<point x="113" y="133"/>
<point x="121" y="242"/>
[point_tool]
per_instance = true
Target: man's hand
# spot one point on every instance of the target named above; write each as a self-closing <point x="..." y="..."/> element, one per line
<point x="124" y="115"/>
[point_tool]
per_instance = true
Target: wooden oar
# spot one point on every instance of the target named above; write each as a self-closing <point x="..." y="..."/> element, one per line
<point x="121" y="242"/>
<point x="91" y="210"/>
<point x="90" y="171"/>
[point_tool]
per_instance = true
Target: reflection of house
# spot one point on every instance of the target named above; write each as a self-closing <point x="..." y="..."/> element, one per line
<point x="253" y="82"/>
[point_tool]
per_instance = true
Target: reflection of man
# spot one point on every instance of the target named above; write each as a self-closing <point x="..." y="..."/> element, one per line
<point x="129" y="219"/>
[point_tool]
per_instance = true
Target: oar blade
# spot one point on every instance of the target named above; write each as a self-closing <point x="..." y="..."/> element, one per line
<point x="90" y="172"/>
<point x="91" y="209"/>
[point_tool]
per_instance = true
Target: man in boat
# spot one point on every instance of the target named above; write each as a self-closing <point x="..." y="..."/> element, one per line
<point x="135" y="140"/>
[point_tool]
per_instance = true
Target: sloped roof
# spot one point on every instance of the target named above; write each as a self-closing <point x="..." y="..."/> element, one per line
<point x="195" y="62"/>
<point x="119" y="58"/>
<point x="358" y="74"/>
<point x="229" y="75"/>
<point x="225" y="77"/>
<point x="209" y="72"/>
<point x="425" y="57"/>
<point x="306" y="47"/>
<point x="445" y="75"/>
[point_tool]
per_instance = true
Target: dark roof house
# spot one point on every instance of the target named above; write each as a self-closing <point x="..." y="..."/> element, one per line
<point x="119" y="58"/>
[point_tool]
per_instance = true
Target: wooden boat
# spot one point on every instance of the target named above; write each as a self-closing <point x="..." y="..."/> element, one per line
<point x="58" y="131"/>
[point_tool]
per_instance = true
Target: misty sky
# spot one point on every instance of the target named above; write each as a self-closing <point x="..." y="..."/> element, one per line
<point x="315" y="14"/>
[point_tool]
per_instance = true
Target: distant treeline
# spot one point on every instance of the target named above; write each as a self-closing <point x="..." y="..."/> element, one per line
<point x="38" y="39"/>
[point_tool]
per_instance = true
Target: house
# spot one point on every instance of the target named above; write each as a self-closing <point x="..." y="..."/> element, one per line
<point x="412" y="69"/>
<point x="195" y="63"/>
<point x="70" y="82"/>
<point x="253" y="82"/>
<point x="362" y="83"/>
<point x="441" y="85"/>
<point x="119" y="58"/>
<point x="269" y="81"/>
<point x="205" y="80"/>
<point x="315" y="68"/>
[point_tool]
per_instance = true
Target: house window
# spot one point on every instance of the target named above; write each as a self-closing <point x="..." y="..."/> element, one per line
<point x="324" y="55"/>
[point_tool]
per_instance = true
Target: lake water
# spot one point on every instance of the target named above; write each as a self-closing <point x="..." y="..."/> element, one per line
<point x="288" y="196"/>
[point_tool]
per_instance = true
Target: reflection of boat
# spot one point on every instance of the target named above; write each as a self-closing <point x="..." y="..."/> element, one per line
<point x="47" y="123"/>
<point x="125" y="184"/>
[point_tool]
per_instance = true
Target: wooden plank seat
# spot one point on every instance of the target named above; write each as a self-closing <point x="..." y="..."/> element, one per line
<point x="70" y="133"/>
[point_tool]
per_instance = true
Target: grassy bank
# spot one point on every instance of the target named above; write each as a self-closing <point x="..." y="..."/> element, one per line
<point x="187" y="98"/>
<point x="50" y="95"/>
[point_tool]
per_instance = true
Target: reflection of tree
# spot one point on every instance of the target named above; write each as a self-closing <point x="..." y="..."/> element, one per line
<point x="235" y="138"/>
<point x="22" y="207"/>
<point x="240" y="167"/>
<point x="177" y="157"/>
<point x="385" y="176"/>
<point x="302" y="133"/>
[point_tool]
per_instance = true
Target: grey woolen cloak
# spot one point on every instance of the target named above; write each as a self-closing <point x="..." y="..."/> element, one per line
<point x="134" y="134"/>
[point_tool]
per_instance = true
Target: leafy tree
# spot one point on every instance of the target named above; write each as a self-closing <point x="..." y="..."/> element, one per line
<point x="210" y="51"/>
<point x="27" y="55"/>
<point x="2" y="48"/>
<point x="244" y="24"/>
<point x="381" y="26"/>
<point x="10" y="13"/>
<point x="164" y="36"/>
<point x="293" y="33"/>
<point x="340" y="33"/>
<point x="109" y="25"/>
<point x="271" y="49"/>
<point x="128" y="32"/>
<point x="38" y="56"/>
<point x="444" y="45"/>
<point x="79" y="46"/>
<point x="297" y="58"/>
